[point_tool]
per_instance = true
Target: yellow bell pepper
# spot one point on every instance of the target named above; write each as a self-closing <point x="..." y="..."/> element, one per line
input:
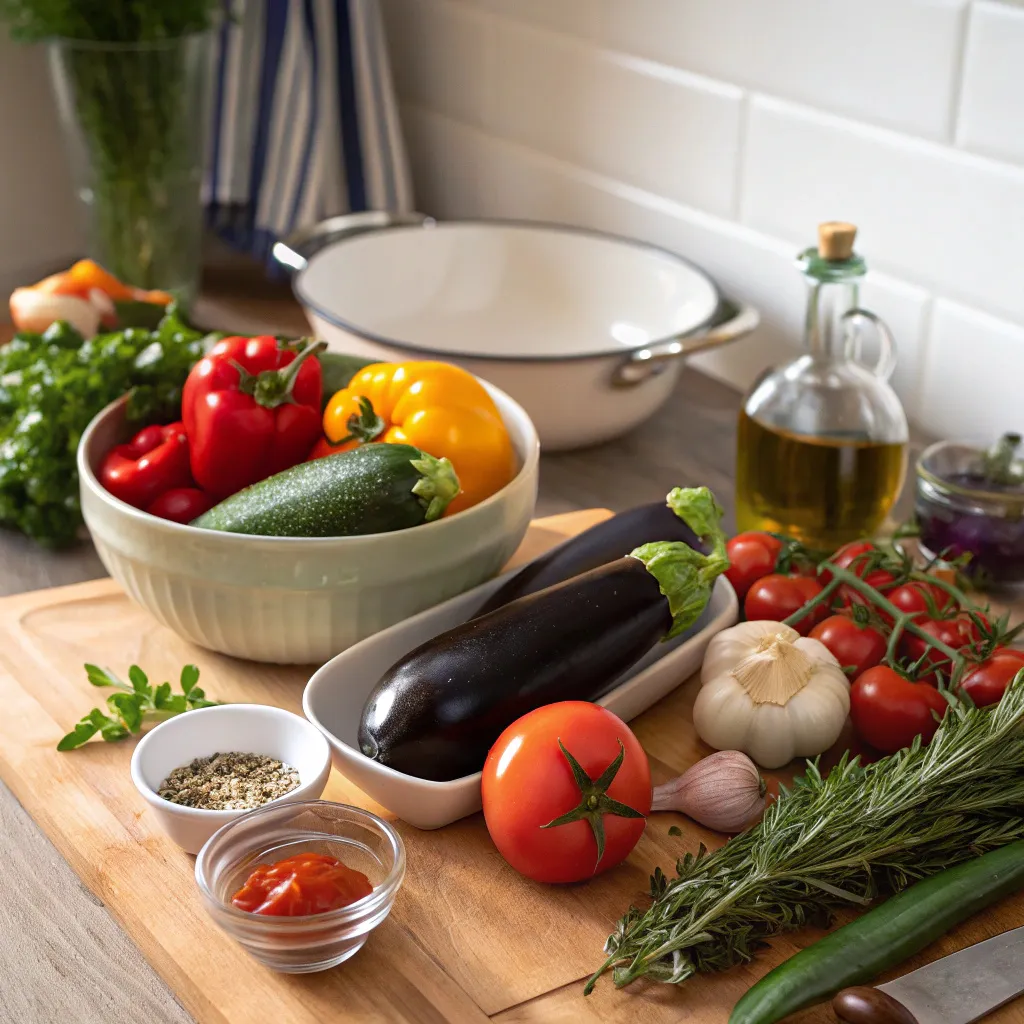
<point x="440" y="409"/>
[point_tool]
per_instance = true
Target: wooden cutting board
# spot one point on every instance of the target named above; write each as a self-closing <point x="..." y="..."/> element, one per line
<point x="468" y="938"/>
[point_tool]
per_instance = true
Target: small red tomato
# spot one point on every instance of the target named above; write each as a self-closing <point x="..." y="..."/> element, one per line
<point x="853" y="556"/>
<point x="546" y="807"/>
<point x="776" y="597"/>
<point x="181" y="504"/>
<point x="920" y="599"/>
<point x="880" y="579"/>
<point x="861" y="647"/>
<point x="751" y="556"/>
<point x="856" y="557"/>
<point x="959" y="632"/>
<point x="888" y="711"/>
<point x="986" y="683"/>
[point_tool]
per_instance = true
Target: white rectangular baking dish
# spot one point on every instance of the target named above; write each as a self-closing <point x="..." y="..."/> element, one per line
<point x="334" y="697"/>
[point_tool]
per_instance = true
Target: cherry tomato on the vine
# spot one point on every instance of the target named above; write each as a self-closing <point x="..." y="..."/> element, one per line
<point x="549" y="816"/>
<point x="960" y="631"/>
<point x="888" y="711"/>
<point x="986" y="682"/>
<point x="915" y="596"/>
<point x="751" y="556"/>
<point x="776" y="597"/>
<point x="855" y="556"/>
<point x="861" y="647"/>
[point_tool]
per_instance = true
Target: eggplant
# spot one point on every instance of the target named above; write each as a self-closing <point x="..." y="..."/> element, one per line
<point x="437" y="712"/>
<point x="601" y="544"/>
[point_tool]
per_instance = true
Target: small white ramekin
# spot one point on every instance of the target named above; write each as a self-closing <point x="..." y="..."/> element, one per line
<point x="243" y="728"/>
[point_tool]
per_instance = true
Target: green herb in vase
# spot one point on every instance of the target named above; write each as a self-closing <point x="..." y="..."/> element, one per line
<point x="130" y="81"/>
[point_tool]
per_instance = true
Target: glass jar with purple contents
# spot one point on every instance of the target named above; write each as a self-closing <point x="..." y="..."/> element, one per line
<point x="970" y="501"/>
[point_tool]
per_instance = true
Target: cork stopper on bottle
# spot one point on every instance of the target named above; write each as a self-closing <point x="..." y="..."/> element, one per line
<point x="835" y="240"/>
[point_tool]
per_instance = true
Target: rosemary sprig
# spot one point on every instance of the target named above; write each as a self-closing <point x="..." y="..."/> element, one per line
<point x="832" y="841"/>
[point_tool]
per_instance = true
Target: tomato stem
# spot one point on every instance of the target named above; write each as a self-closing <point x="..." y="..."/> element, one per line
<point x="902" y="621"/>
<point x="594" y="800"/>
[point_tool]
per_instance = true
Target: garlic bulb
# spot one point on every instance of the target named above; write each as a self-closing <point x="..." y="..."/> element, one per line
<point x="724" y="792"/>
<point x="771" y="693"/>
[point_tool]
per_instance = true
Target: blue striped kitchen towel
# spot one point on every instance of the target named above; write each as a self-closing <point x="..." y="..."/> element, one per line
<point x="304" y="120"/>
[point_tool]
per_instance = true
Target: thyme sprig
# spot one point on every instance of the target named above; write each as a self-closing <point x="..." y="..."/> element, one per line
<point x="832" y="841"/>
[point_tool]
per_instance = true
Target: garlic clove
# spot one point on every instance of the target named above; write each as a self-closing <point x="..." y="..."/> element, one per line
<point x="724" y="792"/>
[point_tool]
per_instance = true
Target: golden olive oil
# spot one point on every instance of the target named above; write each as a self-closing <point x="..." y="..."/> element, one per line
<point x="822" y="490"/>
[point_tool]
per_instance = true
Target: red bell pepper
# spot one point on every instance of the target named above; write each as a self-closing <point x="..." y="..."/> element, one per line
<point x="251" y="409"/>
<point x="181" y="504"/>
<point x="155" y="460"/>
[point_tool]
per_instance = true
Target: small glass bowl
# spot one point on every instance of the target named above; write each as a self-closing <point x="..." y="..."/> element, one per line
<point x="316" y="942"/>
<point x="957" y="516"/>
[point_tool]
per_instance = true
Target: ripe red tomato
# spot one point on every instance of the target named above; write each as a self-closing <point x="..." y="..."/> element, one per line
<point x="776" y="597"/>
<point x="986" y="683"/>
<point x="913" y="598"/>
<point x="855" y="557"/>
<point x="877" y="578"/>
<point x="751" y="556"/>
<point x="853" y="645"/>
<point x="888" y="711"/>
<point x="959" y="632"/>
<point x="529" y="782"/>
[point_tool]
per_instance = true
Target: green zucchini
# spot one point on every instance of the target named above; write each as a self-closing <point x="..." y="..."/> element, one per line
<point x="884" y="937"/>
<point x="337" y="369"/>
<point x="375" y="488"/>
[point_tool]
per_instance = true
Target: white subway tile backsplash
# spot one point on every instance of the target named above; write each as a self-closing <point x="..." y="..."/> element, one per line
<point x="663" y="130"/>
<point x="936" y="216"/>
<point x="890" y="61"/>
<point x="440" y="55"/>
<point x="727" y="129"/>
<point x="972" y="379"/>
<point x="991" y="112"/>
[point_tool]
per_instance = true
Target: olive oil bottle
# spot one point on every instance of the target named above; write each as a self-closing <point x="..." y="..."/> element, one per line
<point x="822" y="441"/>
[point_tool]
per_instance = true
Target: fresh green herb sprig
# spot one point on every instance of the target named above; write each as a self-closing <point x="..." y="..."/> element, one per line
<point x="51" y="386"/>
<point x="133" y="702"/>
<point x="832" y="841"/>
<point x="120" y="21"/>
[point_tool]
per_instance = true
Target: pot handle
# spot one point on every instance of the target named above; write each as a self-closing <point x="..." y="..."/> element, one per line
<point x="732" y="321"/>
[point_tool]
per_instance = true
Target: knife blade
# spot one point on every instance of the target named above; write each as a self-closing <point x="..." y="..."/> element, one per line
<point x="956" y="989"/>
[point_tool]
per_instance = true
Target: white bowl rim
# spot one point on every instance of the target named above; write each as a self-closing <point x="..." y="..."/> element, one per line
<point x="200" y="813"/>
<point x="88" y="477"/>
<point x="524" y="224"/>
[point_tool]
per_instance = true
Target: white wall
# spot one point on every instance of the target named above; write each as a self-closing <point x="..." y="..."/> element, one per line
<point x="40" y="228"/>
<point x="727" y="129"/>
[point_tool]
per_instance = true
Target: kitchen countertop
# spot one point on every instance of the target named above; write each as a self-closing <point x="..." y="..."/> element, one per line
<point x="71" y="960"/>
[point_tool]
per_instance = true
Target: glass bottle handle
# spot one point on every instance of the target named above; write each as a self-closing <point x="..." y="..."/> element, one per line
<point x="852" y="319"/>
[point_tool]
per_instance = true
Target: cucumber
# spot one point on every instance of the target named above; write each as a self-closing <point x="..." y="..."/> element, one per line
<point x="885" y="937"/>
<point x="337" y="369"/>
<point x="375" y="488"/>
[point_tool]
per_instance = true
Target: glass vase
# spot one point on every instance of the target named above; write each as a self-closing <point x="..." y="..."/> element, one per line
<point x="134" y="116"/>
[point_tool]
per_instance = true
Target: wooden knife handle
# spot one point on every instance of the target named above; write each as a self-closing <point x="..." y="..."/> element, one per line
<point x="864" y="1005"/>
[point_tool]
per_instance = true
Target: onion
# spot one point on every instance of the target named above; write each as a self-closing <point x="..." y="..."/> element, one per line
<point x="724" y="792"/>
<point x="34" y="310"/>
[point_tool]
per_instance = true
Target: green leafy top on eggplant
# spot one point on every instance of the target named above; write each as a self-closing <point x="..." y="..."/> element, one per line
<point x="684" y="575"/>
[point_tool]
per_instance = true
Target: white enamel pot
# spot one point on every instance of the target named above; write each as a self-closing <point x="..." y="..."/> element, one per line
<point x="587" y="331"/>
